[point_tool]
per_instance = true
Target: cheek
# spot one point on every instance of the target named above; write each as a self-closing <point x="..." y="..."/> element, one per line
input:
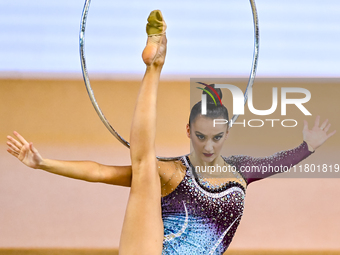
<point x="196" y="143"/>
<point x="219" y="144"/>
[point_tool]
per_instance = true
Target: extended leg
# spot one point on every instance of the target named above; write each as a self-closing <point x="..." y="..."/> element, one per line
<point x="142" y="231"/>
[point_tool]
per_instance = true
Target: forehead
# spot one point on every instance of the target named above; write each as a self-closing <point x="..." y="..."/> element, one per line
<point x="205" y="125"/>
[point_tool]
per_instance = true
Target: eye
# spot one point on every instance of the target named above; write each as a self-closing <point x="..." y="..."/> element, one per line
<point x="200" y="137"/>
<point x="217" y="138"/>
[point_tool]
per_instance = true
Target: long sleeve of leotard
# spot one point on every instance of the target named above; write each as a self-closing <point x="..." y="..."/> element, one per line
<point x="253" y="168"/>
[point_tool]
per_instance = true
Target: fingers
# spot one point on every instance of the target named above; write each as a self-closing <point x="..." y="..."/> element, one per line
<point x="14" y="153"/>
<point x="21" y="139"/>
<point x="331" y="134"/>
<point x="327" y="128"/>
<point x="13" y="147"/>
<point x="317" y="121"/>
<point x="323" y="125"/>
<point x="14" y="142"/>
<point x="305" y="126"/>
<point x="17" y="148"/>
<point x="33" y="149"/>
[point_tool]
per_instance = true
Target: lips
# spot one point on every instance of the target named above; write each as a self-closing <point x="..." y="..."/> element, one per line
<point x="208" y="154"/>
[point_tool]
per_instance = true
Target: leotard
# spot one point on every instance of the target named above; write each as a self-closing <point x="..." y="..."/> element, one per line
<point x="200" y="218"/>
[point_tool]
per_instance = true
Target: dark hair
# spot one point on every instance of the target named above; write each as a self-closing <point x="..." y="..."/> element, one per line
<point x="213" y="111"/>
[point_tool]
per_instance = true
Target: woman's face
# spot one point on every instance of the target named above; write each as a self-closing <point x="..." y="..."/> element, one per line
<point x="206" y="139"/>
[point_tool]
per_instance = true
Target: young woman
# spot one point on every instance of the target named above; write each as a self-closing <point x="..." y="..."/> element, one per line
<point x="176" y="207"/>
<point x="142" y="231"/>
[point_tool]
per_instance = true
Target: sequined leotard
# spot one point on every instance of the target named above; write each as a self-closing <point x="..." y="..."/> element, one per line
<point x="200" y="219"/>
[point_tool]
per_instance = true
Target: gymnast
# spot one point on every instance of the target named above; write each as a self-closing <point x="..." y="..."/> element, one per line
<point x="173" y="207"/>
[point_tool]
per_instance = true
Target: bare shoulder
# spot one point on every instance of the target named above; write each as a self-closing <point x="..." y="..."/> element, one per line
<point x="171" y="174"/>
<point x="167" y="168"/>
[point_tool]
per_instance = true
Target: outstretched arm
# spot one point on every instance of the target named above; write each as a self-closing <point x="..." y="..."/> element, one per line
<point x="258" y="168"/>
<point x="83" y="170"/>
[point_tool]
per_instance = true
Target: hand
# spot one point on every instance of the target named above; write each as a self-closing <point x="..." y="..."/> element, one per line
<point x="24" y="151"/>
<point x="317" y="135"/>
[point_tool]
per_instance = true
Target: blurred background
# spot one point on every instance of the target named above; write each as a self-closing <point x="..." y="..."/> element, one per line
<point x="43" y="97"/>
<point x="298" y="38"/>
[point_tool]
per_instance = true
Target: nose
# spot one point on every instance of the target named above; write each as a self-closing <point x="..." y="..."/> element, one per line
<point x="208" y="147"/>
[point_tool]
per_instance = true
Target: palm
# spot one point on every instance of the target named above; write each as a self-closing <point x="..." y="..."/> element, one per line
<point x="316" y="136"/>
<point x="29" y="158"/>
<point x="24" y="151"/>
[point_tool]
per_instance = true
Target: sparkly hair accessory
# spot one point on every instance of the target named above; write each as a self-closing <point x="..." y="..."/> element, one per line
<point x="213" y="90"/>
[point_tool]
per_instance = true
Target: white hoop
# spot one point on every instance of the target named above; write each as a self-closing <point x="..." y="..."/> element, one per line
<point x="93" y="99"/>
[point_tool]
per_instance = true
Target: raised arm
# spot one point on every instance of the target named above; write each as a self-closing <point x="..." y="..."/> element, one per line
<point x="82" y="170"/>
<point x="258" y="168"/>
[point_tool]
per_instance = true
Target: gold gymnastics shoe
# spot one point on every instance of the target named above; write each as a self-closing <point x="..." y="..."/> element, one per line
<point x="156" y="43"/>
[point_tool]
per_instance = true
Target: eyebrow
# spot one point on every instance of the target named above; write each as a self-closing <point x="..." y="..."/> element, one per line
<point x="199" y="133"/>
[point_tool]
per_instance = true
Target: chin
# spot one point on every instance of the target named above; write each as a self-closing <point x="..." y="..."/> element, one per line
<point x="208" y="160"/>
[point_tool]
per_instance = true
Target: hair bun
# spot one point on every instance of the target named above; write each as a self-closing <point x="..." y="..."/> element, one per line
<point x="213" y="91"/>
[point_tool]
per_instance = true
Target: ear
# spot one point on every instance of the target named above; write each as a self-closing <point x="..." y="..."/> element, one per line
<point x="226" y="135"/>
<point x="188" y="130"/>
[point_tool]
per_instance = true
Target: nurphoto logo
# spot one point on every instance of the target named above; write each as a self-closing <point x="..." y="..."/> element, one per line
<point x="239" y="99"/>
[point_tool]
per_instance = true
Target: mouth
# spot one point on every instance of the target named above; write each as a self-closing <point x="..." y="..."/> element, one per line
<point x="208" y="155"/>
